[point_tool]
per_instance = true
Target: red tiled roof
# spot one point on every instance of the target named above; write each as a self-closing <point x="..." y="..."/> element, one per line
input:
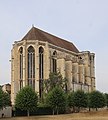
<point x="37" y="34"/>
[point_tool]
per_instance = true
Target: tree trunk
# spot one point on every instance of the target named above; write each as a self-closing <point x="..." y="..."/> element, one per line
<point x="96" y="109"/>
<point x="78" y="109"/>
<point x="53" y="111"/>
<point x="28" y="113"/>
<point x="74" y="109"/>
<point x="89" y="109"/>
<point x="57" y="111"/>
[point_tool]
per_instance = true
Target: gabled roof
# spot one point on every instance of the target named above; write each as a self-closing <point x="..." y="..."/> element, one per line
<point x="37" y="34"/>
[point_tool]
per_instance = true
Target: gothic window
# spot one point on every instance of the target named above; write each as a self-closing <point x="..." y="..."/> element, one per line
<point x="31" y="67"/>
<point x="41" y="69"/>
<point x="21" y="66"/>
<point x="54" y="62"/>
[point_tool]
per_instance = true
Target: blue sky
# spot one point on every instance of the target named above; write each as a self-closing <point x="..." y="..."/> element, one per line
<point x="83" y="22"/>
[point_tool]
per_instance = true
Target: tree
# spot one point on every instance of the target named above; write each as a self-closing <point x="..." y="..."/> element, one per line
<point x="55" y="79"/>
<point x="56" y="99"/>
<point x="106" y="97"/>
<point x="26" y="99"/>
<point x="80" y="99"/>
<point x="97" y="100"/>
<point x="1" y="98"/>
<point x="70" y="100"/>
<point x="88" y="100"/>
<point x="4" y="99"/>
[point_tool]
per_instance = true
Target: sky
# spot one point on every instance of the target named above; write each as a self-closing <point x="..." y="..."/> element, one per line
<point x="83" y="22"/>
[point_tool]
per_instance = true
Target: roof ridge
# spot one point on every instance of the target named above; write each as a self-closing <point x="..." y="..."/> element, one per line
<point x="37" y="34"/>
<point x="53" y="35"/>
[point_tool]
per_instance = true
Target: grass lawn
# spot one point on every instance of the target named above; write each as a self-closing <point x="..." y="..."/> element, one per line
<point x="100" y="115"/>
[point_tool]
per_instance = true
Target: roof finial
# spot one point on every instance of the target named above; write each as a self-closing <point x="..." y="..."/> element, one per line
<point x="32" y="25"/>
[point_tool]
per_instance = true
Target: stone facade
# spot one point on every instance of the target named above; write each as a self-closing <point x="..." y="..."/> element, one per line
<point x="6" y="88"/>
<point x="6" y="112"/>
<point x="45" y="57"/>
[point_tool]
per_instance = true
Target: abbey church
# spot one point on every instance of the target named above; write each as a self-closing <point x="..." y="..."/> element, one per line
<point x="39" y="53"/>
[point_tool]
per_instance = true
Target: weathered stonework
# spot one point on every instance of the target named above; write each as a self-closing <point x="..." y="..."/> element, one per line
<point x="77" y="67"/>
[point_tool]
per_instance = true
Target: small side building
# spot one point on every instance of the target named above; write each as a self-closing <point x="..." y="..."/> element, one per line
<point x="7" y="111"/>
<point x="6" y="88"/>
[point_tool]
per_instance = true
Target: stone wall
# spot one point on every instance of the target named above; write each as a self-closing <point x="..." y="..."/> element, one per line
<point x="6" y="112"/>
<point x="78" y="68"/>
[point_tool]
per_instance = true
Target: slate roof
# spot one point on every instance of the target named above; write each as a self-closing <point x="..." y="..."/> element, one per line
<point x="37" y="34"/>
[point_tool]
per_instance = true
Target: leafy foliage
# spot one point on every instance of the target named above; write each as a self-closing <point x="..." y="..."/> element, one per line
<point x="26" y="99"/>
<point x="56" y="99"/>
<point x="88" y="100"/>
<point x="1" y="98"/>
<point x="80" y="99"/>
<point x="70" y="102"/>
<point x="55" y="79"/>
<point x="106" y="98"/>
<point x="97" y="99"/>
<point x="4" y="99"/>
<point x="70" y="99"/>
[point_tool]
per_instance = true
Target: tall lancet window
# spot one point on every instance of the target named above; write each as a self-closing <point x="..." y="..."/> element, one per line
<point x="21" y="67"/>
<point x="31" y="67"/>
<point x="41" y="67"/>
<point x="54" y="62"/>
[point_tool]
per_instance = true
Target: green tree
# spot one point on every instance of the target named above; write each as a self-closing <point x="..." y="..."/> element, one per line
<point x="55" y="79"/>
<point x="70" y="100"/>
<point x="56" y="99"/>
<point x="88" y="100"/>
<point x="26" y="99"/>
<point x="80" y="99"/>
<point x="106" y="97"/>
<point x="97" y="100"/>
<point x="4" y="99"/>
<point x="1" y="98"/>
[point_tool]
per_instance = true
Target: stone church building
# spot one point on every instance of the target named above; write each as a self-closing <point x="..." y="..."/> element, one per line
<point x="39" y="53"/>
